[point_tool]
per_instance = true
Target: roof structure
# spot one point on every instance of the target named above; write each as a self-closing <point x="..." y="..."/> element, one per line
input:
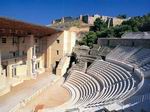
<point x="11" y="27"/>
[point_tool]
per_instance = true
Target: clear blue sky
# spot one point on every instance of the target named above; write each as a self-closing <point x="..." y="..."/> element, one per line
<point x="44" y="11"/>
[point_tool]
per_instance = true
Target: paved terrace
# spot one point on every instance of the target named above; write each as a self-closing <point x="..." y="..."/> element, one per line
<point x="24" y="91"/>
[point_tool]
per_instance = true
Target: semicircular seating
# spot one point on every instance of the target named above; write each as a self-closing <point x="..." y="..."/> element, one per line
<point x="131" y="56"/>
<point x="111" y="72"/>
<point x="102" y="84"/>
<point x="87" y="86"/>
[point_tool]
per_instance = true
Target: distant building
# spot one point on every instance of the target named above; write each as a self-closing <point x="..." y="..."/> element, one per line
<point x="65" y="19"/>
<point x="27" y="50"/>
<point x="111" y="20"/>
<point x="90" y="19"/>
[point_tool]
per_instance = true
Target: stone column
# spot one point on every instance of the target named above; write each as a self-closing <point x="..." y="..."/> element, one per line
<point x="48" y="54"/>
<point x="31" y="57"/>
<point x="9" y="70"/>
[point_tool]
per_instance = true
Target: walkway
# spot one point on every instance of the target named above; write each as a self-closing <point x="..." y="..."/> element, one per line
<point x="53" y="96"/>
<point x="23" y="91"/>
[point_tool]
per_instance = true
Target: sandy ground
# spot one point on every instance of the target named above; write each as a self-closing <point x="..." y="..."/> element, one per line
<point x="52" y="97"/>
<point x="26" y="84"/>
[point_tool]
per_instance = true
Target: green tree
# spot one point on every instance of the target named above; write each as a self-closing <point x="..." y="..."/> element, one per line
<point x="89" y="39"/>
<point x="105" y="33"/>
<point x="100" y="29"/>
<point x="120" y="30"/>
<point x="133" y="23"/>
<point x="99" y="25"/>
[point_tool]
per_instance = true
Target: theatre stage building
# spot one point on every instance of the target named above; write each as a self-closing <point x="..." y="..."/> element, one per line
<point x="27" y="50"/>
